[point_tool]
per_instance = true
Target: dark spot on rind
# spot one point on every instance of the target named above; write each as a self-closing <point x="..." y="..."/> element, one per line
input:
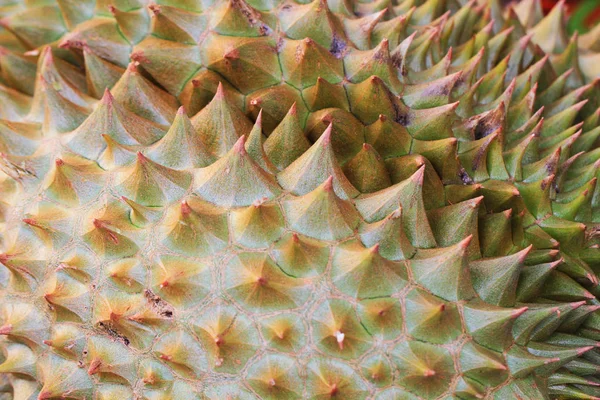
<point x="158" y="305"/>
<point x="399" y="116"/>
<point x="337" y="47"/>
<point x="109" y="329"/>
<point x="464" y="177"/>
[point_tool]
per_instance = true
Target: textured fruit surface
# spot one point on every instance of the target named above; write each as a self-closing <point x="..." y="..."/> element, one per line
<point x="246" y="199"/>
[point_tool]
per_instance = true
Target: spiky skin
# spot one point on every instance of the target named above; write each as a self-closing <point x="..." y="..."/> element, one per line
<point x="355" y="201"/>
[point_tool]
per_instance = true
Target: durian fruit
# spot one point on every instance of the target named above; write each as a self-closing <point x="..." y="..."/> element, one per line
<point x="242" y="199"/>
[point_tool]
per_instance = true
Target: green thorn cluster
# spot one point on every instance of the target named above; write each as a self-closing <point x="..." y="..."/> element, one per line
<point x="328" y="199"/>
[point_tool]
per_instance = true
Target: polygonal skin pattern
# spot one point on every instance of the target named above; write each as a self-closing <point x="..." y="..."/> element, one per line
<point x="241" y="199"/>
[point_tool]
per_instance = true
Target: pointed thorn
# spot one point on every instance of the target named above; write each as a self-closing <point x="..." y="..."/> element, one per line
<point x="429" y="373"/>
<point x="30" y="221"/>
<point x="517" y="313"/>
<point x="326" y="137"/>
<point x="258" y="122"/>
<point x="44" y="396"/>
<point x="328" y="186"/>
<point x="181" y="110"/>
<point x="94" y="367"/>
<point x="466" y="242"/>
<point x="584" y="350"/>
<point x="295" y="237"/>
<point x="185" y="208"/>
<point x="239" y="146"/>
<point x="293" y="109"/>
<point x="154" y="8"/>
<point x="107" y="97"/>
<point x="6" y="329"/>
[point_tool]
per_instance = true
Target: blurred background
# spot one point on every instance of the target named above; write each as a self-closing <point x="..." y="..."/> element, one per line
<point x="583" y="14"/>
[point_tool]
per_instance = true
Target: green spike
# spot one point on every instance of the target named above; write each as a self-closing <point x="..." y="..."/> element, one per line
<point x="304" y="61"/>
<point x="453" y="223"/>
<point x="366" y="171"/>
<point x="325" y="95"/>
<point x="408" y="193"/>
<point x="287" y="142"/>
<point x="388" y="138"/>
<point x="482" y="365"/>
<point x="255" y="148"/>
<point x="321" y="213"/>
<point x="236" y="170"/>
<point x="443" y="271"/>
<point x="532" y="279"/>
<point x="353" y="265"/>
<point x="389" y="235"/>
<point x="220" y="124"/>
<point x="521" y="362"/>
<point x="560" y="286"/>
<point x="490" y="326"/>
<point x="426" y="315"/>
<point x="495" y="279"/>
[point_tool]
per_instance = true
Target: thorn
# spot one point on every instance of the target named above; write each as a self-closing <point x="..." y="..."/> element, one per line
<point x="94" y="366"/>
<point x="185" y="208"/>
<point x="326" y="137"/>
<point x="107" y="97"/>
<point x="519" y="312"/>
<point x="293" y="109"/>
<point x="466" y="242"/>
<point x="232" y="54"/>
<point x="44" y="396"/>
<point x="6" y="329"/>
<point x="258" y="122"/>
<point x="31" y="222"/>
<point x="334" y="390"/>
<point x="584" y="350"/>
<point x="181" y="110"/>
<point x="154" y="8"/>
<point x="239" y="146"/>
<point x="328" y="185"/>
<point x="428" y="373"/>
<point x="375" y="249"/>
